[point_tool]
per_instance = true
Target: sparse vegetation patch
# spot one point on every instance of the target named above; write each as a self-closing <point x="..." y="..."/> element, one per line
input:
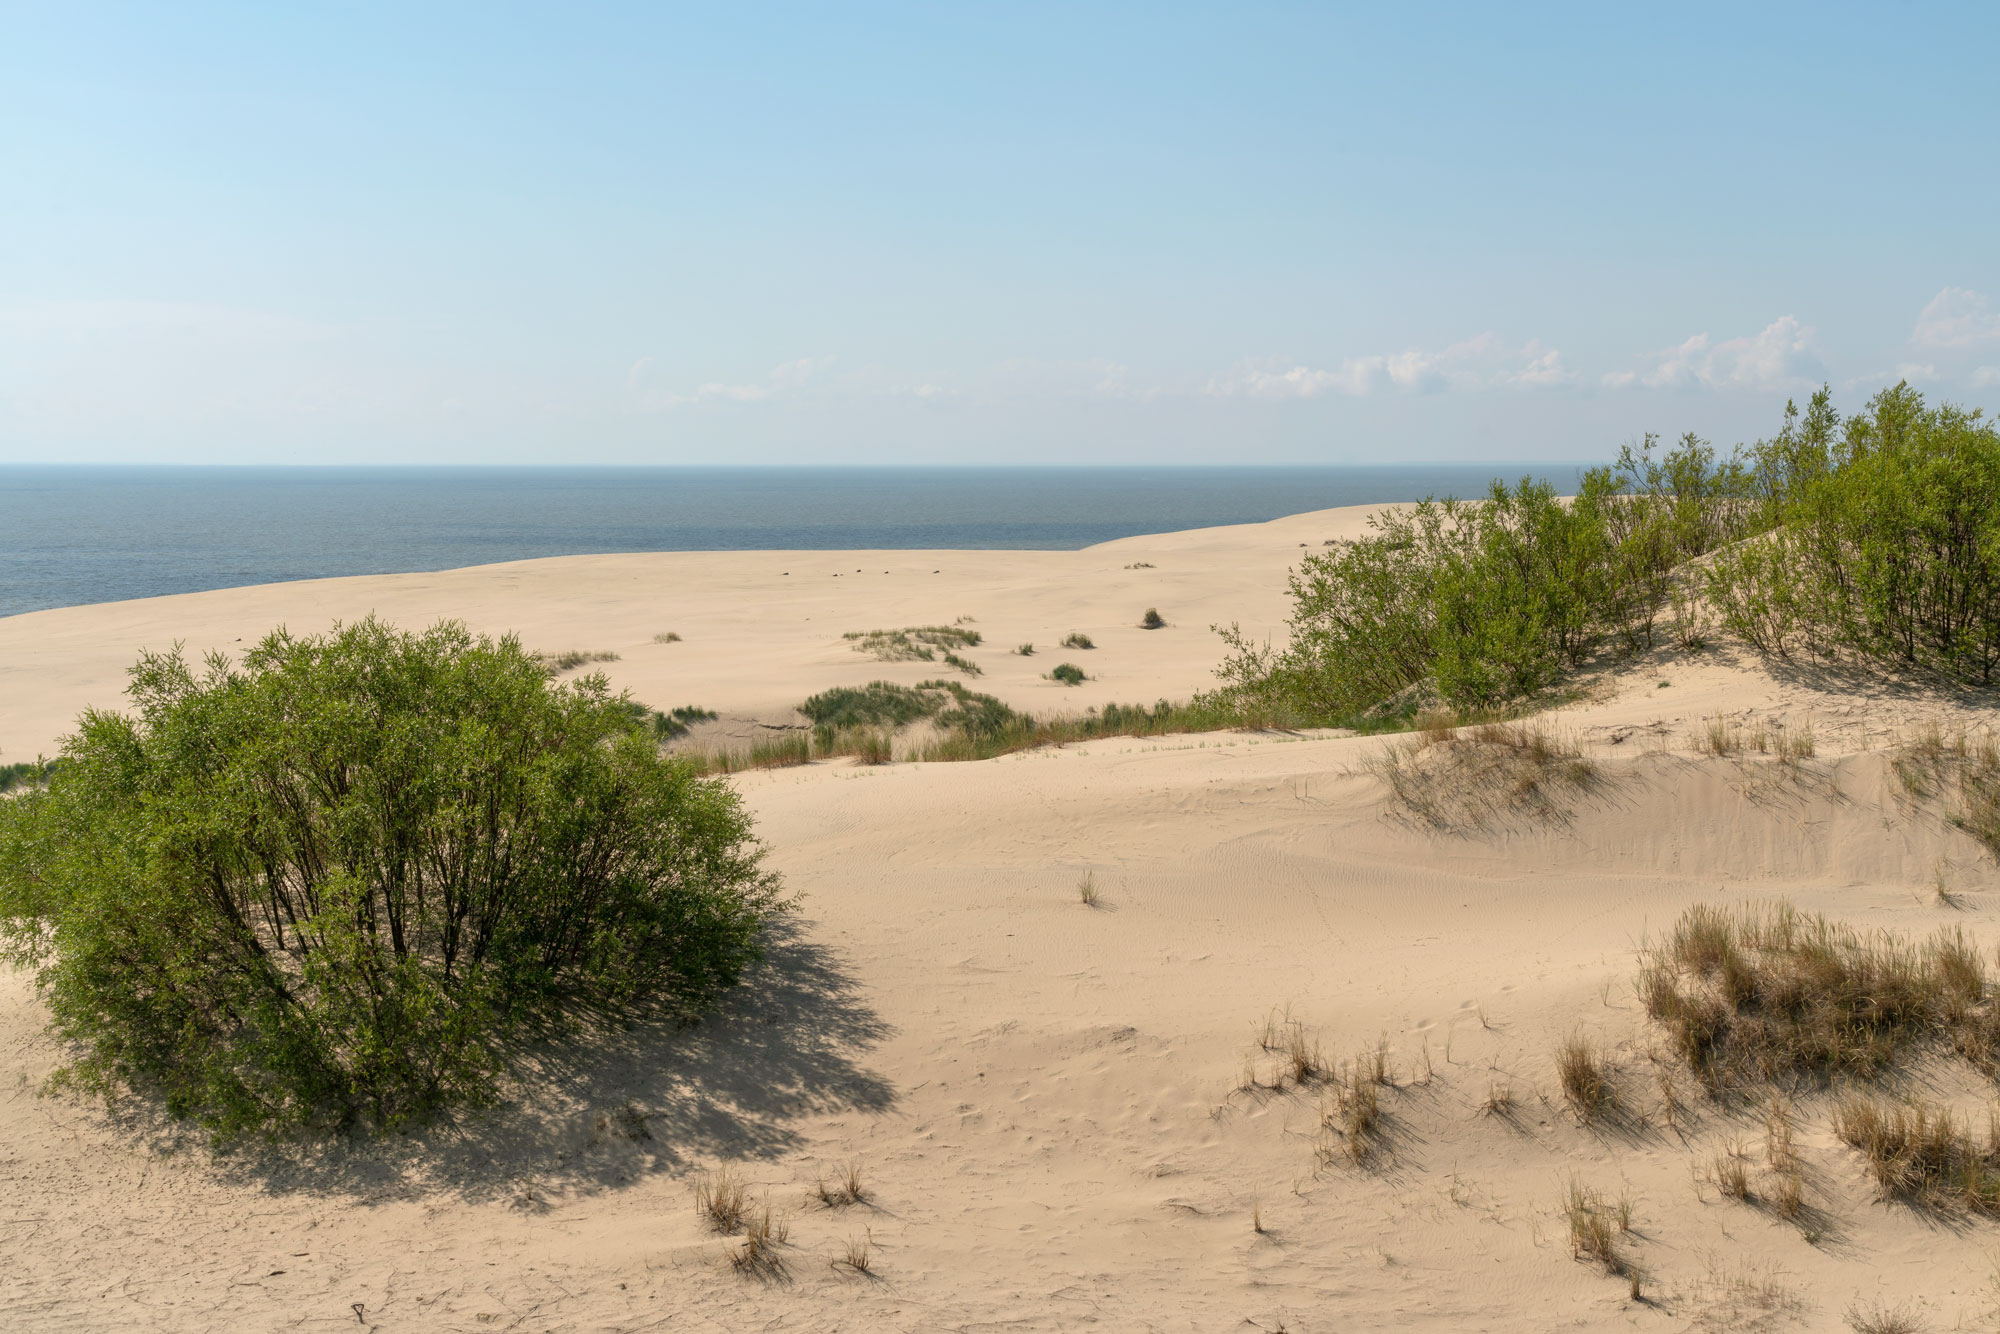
<point x="916" y="643"/>
<point x="1470" y="777"/>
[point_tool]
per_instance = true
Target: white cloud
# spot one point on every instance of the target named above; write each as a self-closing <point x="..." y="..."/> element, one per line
<point x="784" y="379"/>
<point x="1779" y="357"/>
<point x="1956" y="317"/>
<point x="1985" y="376"/>
<point x="1481" y="362"/>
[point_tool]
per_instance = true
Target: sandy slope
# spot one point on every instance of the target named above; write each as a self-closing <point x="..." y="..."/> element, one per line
<point x="1043" y="1096"/>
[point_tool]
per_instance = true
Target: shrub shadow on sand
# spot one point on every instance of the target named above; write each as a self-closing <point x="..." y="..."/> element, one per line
<point x="602" y="1112"/>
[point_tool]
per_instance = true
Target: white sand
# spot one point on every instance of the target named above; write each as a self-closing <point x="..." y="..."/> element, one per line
<point x="1043" y="1095"/>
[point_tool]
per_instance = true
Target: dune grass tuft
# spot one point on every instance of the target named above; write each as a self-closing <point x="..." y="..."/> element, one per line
<point x="1595" y="1226"/>
<point x="1086" y="890"/>
<point x="1068" y="673"/>
<point x="1585" y="1080"/>
<point x="721" y="1200"/>
<point x="1765" y="992"/>
<point x="1077" y="639"/>
<point x="571" y="659"/>
<point x="667" y="637"/>
<point x="784" y="750"/>
<point x="1923" y="1153"/>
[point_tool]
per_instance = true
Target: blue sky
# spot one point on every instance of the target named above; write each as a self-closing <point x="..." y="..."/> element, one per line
<point x="964" y="233"/>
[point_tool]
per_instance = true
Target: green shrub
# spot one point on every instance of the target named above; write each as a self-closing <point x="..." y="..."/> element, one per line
<point x="1068" y="673"/>
<point x="1077" y="639"/>
<point x="26" y="774"/>
<point x="1877" y="537"/>
<point x="339" y="883"/>
<point x="1887" y="545"/>
<point x="1152" y="620"/>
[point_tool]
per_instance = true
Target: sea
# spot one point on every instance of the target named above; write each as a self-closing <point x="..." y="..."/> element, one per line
<point x="75" y="535"/>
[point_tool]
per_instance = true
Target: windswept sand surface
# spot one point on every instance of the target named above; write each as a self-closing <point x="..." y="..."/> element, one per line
<point x="1044" y="1097"/>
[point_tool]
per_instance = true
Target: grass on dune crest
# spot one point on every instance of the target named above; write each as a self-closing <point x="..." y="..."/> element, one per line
<point x="1451" y="776"/>
<point x="1959" y="767"/>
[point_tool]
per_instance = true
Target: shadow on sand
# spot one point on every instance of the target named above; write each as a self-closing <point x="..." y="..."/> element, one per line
<point x="602" y="1112"/>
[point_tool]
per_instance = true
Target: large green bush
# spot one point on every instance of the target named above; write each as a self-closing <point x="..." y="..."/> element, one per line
<point x="341" y="882"/>
<point x="1492" y="600"/>
<point x="1886" y="544"/>
<point x="1878" y="537"/>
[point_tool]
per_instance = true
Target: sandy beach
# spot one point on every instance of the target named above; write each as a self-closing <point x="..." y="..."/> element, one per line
<point x="1045" y="1101"/>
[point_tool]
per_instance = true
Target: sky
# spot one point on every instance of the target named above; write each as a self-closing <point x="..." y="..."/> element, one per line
<point x="1011" y="233"/>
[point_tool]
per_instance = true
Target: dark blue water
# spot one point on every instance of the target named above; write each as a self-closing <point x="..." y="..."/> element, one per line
<point x="77" y="535"/>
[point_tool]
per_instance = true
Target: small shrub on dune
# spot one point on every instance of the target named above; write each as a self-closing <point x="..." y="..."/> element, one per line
<point x="1074" y="639"/>
<point x="1026" y="650"/>
<point x="316" y="888"/>
<point x="1152" y="620"/>
<point x="1068" y="674"/>
<point x="667" y="637"/>
<point x="24" y="775"/>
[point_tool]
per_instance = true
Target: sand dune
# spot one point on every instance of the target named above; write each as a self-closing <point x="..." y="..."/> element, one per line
<point x="1043" y="1097"/>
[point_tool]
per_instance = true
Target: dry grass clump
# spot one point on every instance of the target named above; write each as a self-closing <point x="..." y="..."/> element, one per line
<point x="1595" y="1226"/>
<point x="1730" y="1171"/>
<point x="1875" y="1318"/>
<point x="1077" y="639"/>
<point x="1934" y="764"/>
<point x="845" y="1187"/>
<point x="764" y="1232"/>
<point x="1086" y="890"/>
<point x="1451" y="776"/>
<point x="915" y="643"/>
<point x="1718" y="736"/>
<point x="667" y="637"/>
<point x="1795" y="744"/>
<point x="856" y="1256"/>
<point x="1351" y="1115"/>
<point x="721" y="1199"/>
<point x="1582" y="1071"/>
<point x="1923" y="1153"/>
<point x="1764" y="991"/>
<point x="1499" y="1098"/>
<point x="574" y="658"/>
